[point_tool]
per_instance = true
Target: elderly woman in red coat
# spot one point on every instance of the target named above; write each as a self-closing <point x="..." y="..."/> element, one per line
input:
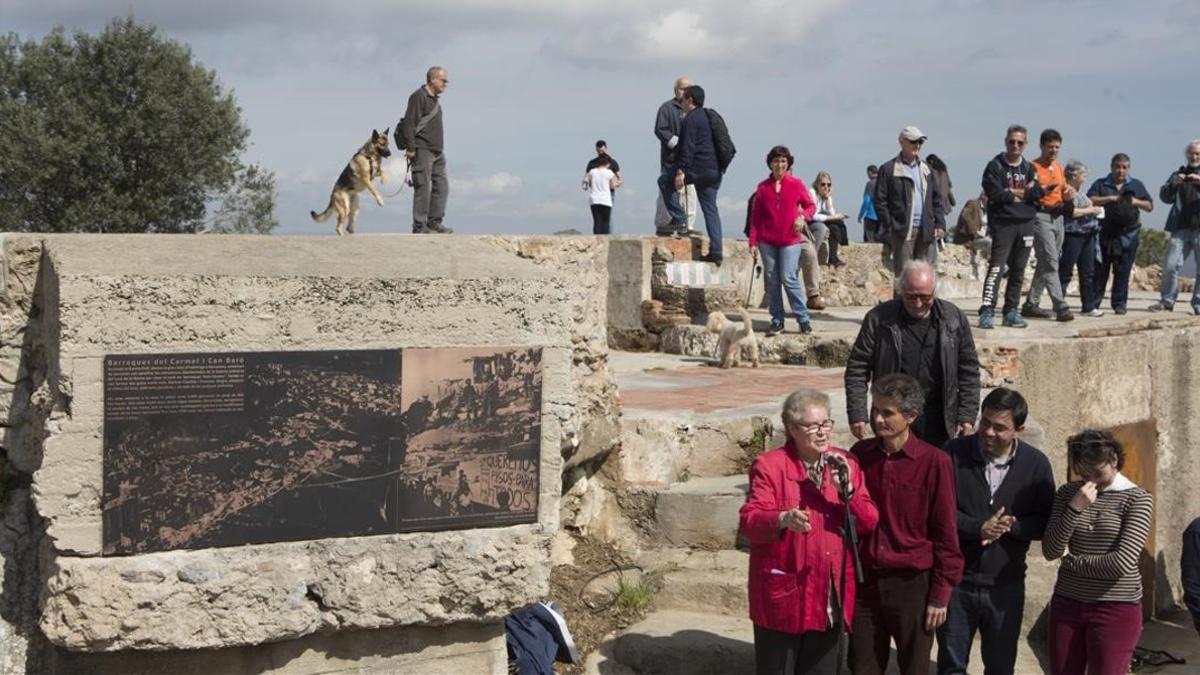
<point x="801" y="571"/>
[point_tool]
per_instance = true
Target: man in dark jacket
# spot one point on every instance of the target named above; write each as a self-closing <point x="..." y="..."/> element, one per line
<point x="1124" y="198"/>
<point x="1005" y="492"/>
<point x="1182" y="192"/>
<point x="1013" y="192"/>
<point x="695" y="164"/>
<point x="666" y="129"/>
<point x="927" y="338"/>
<point x="1189" y="567"/>
<point x="909" y="203"/>
<point x="423" y="140"/>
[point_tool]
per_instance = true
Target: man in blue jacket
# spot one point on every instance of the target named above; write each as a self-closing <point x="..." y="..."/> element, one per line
<point x="1190" y="571"/>
<point x="695" y="164"/>
<point x="1012" y="189"/>
<point x="1005" y="493"/>
<point x="1120" y="229"/>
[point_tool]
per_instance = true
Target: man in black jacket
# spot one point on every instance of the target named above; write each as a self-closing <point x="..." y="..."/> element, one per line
<point x="927" y="338"/>
<point x="1013" y="192"/>
<point x="909" y="203"/>
<point x="1005" y="492"/>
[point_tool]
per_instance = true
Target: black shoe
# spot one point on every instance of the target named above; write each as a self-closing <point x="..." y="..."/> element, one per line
<point x="1119" y="311"/>
<point x="1031" y="312"/>
<point x="710" y="258"/>
<point x="440" y="228"/>
<point x="420" y="229"/>
<point x="775" y="329"/>
<point x="1064" y="315"/>
<point x="805" y="328"/>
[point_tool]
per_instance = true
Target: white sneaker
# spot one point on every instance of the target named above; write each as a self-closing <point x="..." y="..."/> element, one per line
<point x="1094" y="312"/>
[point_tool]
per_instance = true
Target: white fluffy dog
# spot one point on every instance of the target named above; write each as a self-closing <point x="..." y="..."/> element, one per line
<point x="732" y="336"/>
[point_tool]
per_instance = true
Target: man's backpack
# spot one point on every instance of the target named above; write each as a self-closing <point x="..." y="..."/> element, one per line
<point x="425" y="119"/>
<point x="722" y="143"/>
<point x="1121" y="215"/>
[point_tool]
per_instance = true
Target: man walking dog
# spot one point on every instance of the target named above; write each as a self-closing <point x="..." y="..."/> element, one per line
<point x="421" y="133"/>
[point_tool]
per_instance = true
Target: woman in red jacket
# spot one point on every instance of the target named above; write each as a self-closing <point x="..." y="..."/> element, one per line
<point x="801" y="571"/>
<point x="781" y="207"/>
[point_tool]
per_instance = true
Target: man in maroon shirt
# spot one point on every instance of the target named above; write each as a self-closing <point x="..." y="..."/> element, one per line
<point x="911" y="561"/>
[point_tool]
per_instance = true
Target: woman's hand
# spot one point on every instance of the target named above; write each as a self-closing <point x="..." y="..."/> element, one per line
<point x="1084" y="497"/>
<point x="795" y="520"/>
<point x="798" y="227"/>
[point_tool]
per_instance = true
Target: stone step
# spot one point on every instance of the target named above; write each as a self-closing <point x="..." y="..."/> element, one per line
<point x="678" y="643"/>
<point x="662" y="448"/>
<point x="700" y="513"/>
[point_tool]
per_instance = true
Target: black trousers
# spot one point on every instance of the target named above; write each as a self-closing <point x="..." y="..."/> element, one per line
<point x="891" y="604"/>
<point x="601" y="219"/>
<point x="1011" y="245"/>
<point x="818" y="653"/>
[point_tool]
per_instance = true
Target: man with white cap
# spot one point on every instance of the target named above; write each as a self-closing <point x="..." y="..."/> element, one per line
<point x="908" y="202"/>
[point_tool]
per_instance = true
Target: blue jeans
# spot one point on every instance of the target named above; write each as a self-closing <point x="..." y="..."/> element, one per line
<point x="707" y="183"/>
<point x="1182" y="244"/>
<point x="1117" y="255"/>
<point x="995" y="612"/>
<point x="780" y="266"/>
<point x="1080" y="250"/>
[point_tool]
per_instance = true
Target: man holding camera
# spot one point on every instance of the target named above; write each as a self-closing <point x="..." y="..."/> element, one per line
<point x="1182" y="192"/>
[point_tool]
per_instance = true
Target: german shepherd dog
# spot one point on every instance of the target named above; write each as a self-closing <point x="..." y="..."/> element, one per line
<point x="364" y="166"/>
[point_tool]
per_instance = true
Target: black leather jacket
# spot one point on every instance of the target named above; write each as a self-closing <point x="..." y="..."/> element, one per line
<point x="876" y="352"/>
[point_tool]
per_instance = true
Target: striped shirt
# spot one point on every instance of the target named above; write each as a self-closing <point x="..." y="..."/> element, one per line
<point x="1104" y="542"/>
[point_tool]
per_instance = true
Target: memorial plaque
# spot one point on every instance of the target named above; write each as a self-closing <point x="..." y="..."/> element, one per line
<point x="223" y="449"/>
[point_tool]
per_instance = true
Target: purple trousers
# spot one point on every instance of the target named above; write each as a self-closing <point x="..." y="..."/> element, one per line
<point x="1092" y="638"/>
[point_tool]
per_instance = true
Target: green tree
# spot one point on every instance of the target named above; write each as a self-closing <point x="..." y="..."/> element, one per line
<point x="1152" y="246"/>
<point x="249" y="206"/>
<point x="120" y="132"/>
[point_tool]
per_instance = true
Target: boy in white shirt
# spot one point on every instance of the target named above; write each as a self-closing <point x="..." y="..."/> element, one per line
<point x="599" y="183"/>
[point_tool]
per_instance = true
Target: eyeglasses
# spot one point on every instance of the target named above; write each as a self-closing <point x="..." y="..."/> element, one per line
<point x="1013" y="141"/>
<point x="824" y="184"/>
<point x="919" y="297"/>
<point x="919" y="142"/>
<point x="816" y="427"/>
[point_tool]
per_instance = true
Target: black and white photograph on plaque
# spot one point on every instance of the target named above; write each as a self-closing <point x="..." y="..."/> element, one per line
<point x="474" y="437"/>
<point x="204" y="450"/>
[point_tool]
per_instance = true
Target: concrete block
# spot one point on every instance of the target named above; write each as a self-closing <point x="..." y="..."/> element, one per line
<point x="702" y="513"/>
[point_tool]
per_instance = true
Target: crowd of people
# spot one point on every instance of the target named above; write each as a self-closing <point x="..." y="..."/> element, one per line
<point x="945" y="500"/>
<point x="1025" y="207"/>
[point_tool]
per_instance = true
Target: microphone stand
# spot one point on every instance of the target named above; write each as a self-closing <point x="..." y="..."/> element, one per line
<point x="849" y="529"/>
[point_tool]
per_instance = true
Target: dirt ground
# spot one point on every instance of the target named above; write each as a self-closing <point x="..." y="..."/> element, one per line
<point x="583" y="590"/>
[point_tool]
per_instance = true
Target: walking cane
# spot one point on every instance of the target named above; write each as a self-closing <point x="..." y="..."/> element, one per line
<point x="755" y="272"/>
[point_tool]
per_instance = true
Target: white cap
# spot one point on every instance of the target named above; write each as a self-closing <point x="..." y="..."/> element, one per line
<point x="912" y="134"/>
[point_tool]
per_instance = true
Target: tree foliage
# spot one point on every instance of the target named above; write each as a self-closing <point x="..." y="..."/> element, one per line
<point x="249" y="206"/>
<point x="1152" y="246"/>
<point x="119" y="132"/>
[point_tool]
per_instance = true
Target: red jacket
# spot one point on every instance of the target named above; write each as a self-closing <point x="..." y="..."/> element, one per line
<point x="774" y="213"/>
<point x="790" y="572"/>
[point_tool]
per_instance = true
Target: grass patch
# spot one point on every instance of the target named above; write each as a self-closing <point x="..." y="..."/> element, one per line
<point x="634" y="594"/>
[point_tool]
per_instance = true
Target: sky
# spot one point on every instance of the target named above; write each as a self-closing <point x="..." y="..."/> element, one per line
<point x="534" y="84"/>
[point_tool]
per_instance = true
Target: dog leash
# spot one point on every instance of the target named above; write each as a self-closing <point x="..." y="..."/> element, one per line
<point x="406" y="181"/>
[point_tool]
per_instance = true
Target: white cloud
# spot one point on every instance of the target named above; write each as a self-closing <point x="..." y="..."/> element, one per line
<point x="499" y="184"/>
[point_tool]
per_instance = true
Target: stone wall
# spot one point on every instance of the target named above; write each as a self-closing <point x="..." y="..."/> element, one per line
<point x="71" y="299"/>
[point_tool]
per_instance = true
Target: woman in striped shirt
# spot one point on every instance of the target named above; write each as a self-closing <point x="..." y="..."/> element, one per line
<point x="1098" y="526"/>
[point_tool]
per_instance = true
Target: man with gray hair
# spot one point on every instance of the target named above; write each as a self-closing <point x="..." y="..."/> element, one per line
<point x="923" y="336"/>
<point x="1182" y="192"/>
<point x="421" y="131"/>
<point x="666" y="129"/>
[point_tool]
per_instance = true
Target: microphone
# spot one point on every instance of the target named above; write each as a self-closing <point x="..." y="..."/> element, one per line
<point x="842" y="467"/>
